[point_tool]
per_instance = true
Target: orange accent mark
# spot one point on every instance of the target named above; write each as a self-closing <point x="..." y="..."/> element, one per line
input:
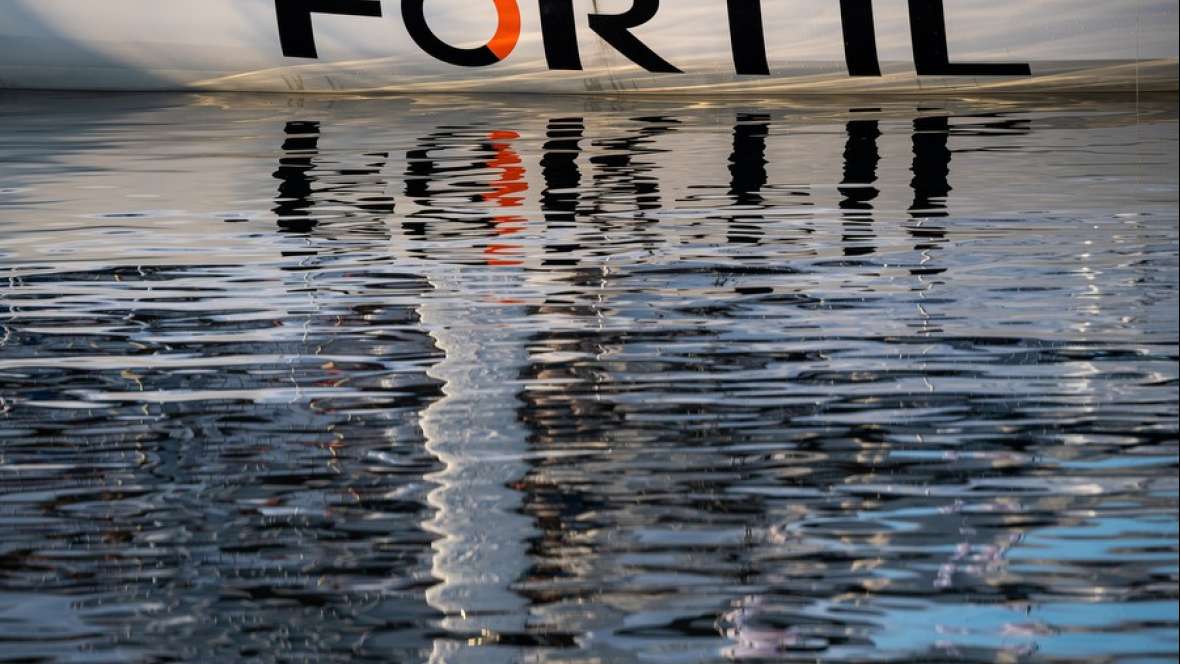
<point x="507" y="30"/>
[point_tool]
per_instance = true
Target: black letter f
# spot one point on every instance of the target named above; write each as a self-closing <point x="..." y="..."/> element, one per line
<point x="295" y="34"/>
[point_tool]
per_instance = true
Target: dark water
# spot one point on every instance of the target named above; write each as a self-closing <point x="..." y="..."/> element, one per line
<point x="583" y="380"/>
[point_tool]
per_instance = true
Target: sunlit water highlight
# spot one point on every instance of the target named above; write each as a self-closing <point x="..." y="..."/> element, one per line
<point x="574" y="380"/>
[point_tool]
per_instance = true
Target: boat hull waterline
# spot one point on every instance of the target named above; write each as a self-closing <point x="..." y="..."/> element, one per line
<point x="591" y="46"/>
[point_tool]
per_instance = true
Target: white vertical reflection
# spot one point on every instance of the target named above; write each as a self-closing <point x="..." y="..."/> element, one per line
<point x="473" y="430"/>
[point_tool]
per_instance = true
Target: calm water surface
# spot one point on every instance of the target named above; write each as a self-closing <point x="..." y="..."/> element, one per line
<point x="584" y="380"/>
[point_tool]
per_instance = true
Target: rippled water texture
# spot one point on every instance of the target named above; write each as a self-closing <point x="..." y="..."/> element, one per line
<point x="585" y="380"/>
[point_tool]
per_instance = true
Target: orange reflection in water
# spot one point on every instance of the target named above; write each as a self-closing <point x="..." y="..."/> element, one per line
<point x="505" y="194"/>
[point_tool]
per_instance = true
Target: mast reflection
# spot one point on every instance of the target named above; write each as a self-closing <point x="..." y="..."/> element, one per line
<point x="469" y="176"/>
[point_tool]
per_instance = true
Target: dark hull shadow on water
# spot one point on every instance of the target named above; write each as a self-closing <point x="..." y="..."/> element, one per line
<point x="587" y="380"/>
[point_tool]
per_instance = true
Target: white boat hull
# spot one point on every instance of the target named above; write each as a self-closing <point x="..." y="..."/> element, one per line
<point x="739" y="47"/>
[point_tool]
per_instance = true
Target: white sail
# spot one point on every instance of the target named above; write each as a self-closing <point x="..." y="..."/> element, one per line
<point x="578" y="46"/>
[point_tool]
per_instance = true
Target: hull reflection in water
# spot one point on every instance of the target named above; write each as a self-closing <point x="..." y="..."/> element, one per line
<point x="588" y="380"/>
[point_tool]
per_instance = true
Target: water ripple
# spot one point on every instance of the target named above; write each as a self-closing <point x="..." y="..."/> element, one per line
<point x="587" y="379"/>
